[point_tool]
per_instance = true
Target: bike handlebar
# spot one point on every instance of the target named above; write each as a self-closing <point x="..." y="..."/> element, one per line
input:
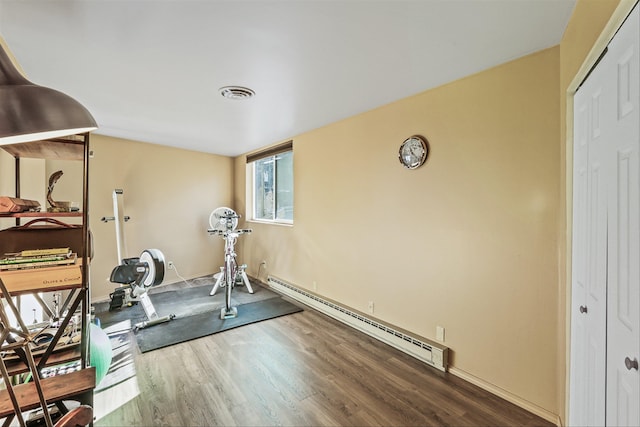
<point x="226" y="232"/>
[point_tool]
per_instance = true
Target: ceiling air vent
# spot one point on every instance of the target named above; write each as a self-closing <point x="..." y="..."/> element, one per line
<point x="236" y="92"/>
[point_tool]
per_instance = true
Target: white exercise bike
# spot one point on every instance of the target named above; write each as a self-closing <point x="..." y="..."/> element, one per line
<point x="223" y="222"/>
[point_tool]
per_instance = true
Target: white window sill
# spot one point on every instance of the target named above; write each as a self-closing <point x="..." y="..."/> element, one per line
<point x="281" y="223"/>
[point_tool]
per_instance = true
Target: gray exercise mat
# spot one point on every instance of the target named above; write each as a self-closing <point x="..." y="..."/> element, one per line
<point x="197" y="313"/>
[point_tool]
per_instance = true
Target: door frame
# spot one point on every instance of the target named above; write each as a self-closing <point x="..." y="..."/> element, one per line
<point x="615" y="22"/>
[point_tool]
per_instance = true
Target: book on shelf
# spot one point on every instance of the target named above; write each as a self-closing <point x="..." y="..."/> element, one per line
<point x="40" y="252"/>
<point x="38" y="259"/>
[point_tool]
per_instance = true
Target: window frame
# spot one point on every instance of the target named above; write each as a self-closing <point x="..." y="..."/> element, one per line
<point x="252" y="159"/>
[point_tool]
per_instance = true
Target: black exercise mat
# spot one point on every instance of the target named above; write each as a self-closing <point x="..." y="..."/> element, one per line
<point x="197" y="313"/>
<point x="181" y="302"/>
<point x="207" y="323"/>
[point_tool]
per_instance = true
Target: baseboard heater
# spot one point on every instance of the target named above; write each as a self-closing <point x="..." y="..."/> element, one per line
<point x="422" y="349"/>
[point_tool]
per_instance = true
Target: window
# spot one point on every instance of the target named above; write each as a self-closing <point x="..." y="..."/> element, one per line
<point x="273" y="184"/>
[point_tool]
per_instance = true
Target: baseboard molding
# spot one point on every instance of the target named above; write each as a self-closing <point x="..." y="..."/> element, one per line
<point x="423" y="349"/>
<point x="329" y="308"/>
<point x="518" y="401"/>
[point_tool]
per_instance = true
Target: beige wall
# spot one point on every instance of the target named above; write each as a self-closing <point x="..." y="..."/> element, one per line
<point x="6" y="174"/>
<point x="468" y="241"/>
<point x="168" y="193"/>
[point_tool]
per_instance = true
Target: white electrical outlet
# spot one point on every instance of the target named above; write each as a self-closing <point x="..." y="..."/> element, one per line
<point x="370" y="307"/>
<point x="264" y="262"/>
<point x="440" y="333"/>
<point x="170" y="265"/>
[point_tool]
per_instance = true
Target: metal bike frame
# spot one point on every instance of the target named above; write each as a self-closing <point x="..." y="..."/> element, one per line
<point x="230" y="271"/>
<point x="227" y="219"/>
<point x="230" y="267"/>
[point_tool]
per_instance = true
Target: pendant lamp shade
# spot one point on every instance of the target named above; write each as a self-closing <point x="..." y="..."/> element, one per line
<point x="29" y="112"/>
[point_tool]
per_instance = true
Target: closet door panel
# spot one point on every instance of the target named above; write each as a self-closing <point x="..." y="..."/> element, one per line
<point x="578" y="371"/>
<point x="623" y="329"/>
<point x="588" y="334"/>
<point x="596" y="296"/>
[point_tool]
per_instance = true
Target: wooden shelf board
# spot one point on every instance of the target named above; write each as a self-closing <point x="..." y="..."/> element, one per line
<point x="40" y="214"/>
<point x="55" y="389"/>
<point x="45" y="279"/>
<point x="58" y="357"/>
<point x="54" y="149"/>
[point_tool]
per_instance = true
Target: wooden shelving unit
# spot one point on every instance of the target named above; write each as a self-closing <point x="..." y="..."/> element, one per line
<point x="74" y="278"/>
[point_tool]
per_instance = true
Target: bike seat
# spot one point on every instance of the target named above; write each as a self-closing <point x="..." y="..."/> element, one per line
<point x="128" y="273"/>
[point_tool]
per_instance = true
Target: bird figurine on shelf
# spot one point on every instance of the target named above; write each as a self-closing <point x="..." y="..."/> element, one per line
<point x="55" y="206"/>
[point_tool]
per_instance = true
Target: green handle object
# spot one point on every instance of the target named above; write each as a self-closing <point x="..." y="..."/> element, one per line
<point x="100" y="351"/>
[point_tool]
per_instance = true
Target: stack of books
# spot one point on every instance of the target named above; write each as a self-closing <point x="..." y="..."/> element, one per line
<point x="38" y="258"/>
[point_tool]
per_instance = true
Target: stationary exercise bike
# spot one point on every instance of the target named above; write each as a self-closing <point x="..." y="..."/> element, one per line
<point x="137" y="274"/>
<point x="223" y="222"/>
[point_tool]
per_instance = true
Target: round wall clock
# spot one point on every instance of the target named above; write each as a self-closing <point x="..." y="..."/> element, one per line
<point x="413" y="152"/>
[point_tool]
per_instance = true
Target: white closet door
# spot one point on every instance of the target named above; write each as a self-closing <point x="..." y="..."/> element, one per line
<point x="577" y="401"/>
<point x="589" y="290"/>
<point x="623" y="330"/>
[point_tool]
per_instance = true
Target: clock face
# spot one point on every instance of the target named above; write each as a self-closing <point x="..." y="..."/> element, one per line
<point x="413" y="152"/>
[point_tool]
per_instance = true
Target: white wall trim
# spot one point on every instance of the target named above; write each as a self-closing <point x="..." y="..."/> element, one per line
<point x="318" y="303"/>
<point x="510" y="397"/>
<point x="423" y="349"/>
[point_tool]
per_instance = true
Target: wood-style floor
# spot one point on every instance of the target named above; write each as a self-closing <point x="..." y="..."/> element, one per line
<point x="304" y="369"/>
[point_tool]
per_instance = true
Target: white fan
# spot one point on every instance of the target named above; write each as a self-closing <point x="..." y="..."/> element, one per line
<point x="223" y="219"/>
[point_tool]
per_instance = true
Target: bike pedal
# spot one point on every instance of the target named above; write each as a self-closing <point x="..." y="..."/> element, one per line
<point x="117" y="299"/>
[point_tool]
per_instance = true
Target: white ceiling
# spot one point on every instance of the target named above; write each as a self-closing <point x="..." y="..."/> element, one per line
<point x="150" y="70"/>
